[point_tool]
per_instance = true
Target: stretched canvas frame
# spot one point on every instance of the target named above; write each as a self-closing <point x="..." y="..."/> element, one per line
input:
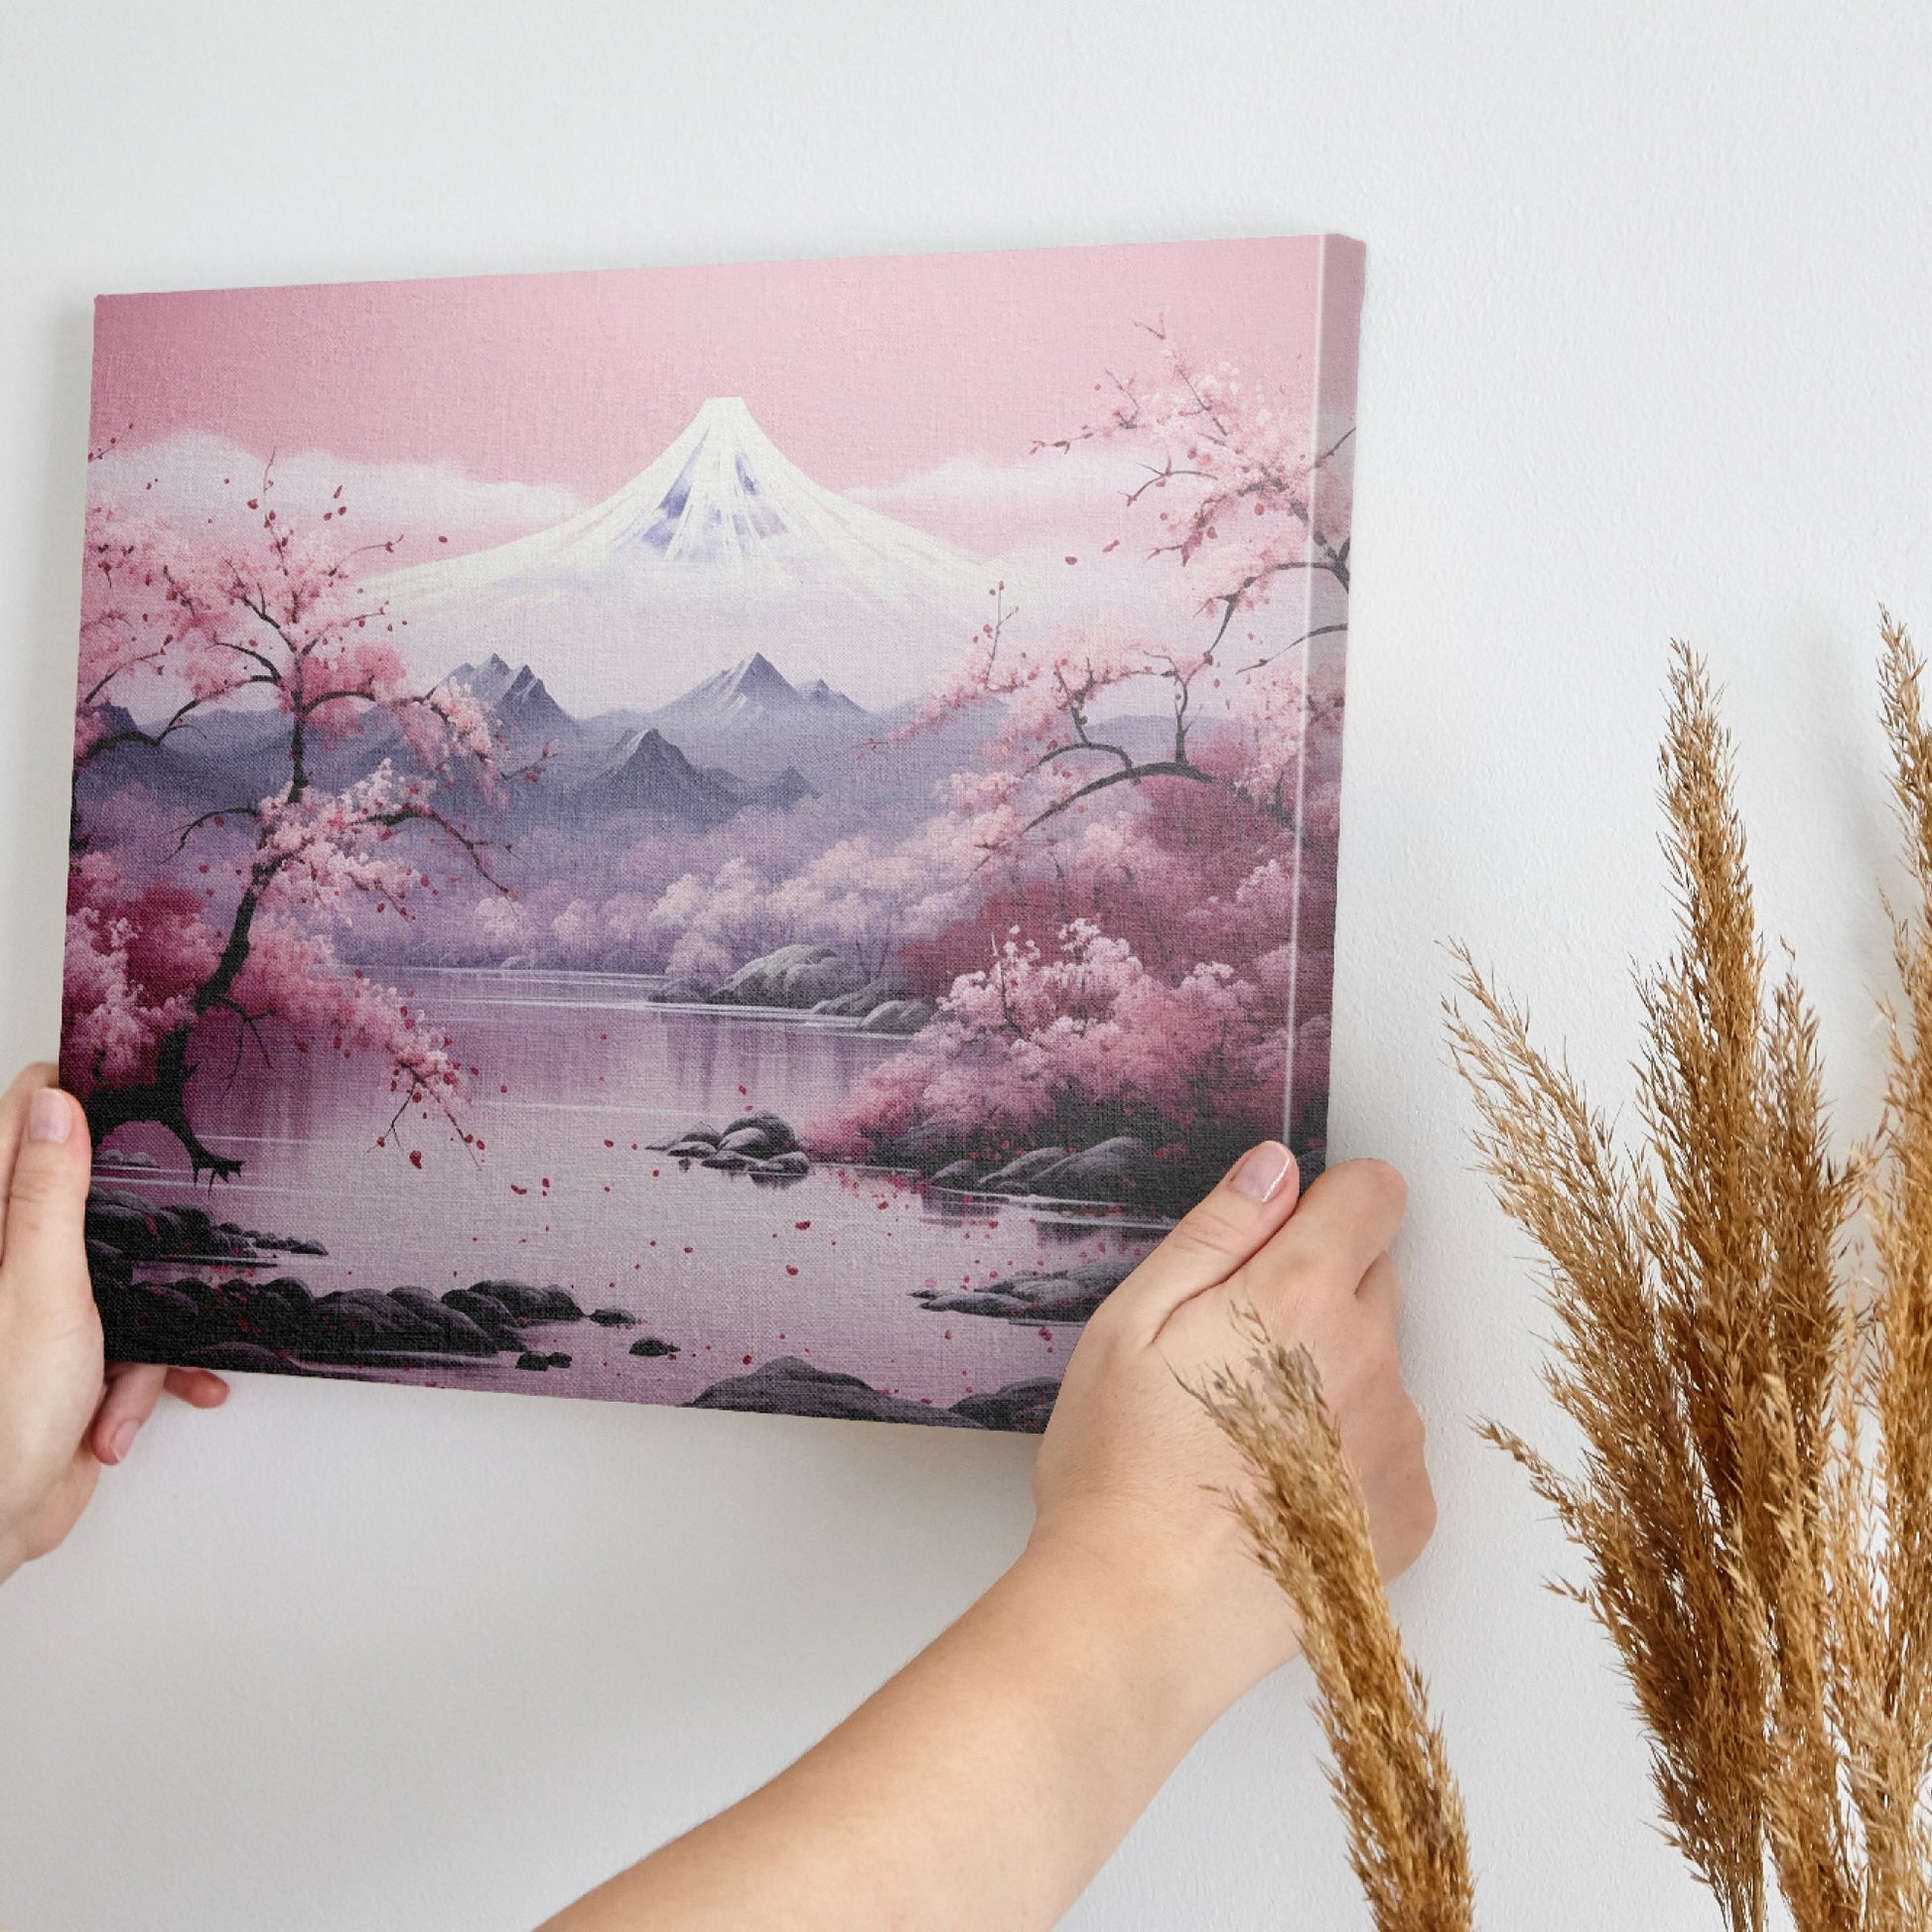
<point x="737" y="836"/>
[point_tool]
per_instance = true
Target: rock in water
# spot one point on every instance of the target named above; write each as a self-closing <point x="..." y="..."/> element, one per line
<point x="487" y="1312"/>
<point x="855" y="1005"/>
<point x="1017" y="1177"/>
<point x="1072" y="1295"/>
<point x="1021" y="1406"/>
<point x="357" y="1322"/>
<point x="959" y="1176"/>
<point x="792" y="1387"/>
<point x="527" y="1303"/>
<point x="898" y="1016"/>
<point x="681" y="993"/>
<point x="794" y="1165"/>
<point x="1121" y="1170"/>
<point x="653" y="1345"/>
<point x="793" y="976"/>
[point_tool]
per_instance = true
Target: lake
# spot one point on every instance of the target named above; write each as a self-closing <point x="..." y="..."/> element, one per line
<point x="579" y="1072"/>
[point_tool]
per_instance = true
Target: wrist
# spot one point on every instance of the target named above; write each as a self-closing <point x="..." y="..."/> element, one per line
<point x="1160" y="1632"/>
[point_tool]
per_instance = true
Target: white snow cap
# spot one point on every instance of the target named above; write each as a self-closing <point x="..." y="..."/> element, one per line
<point x="719" y="549"/>
<point x="725" y="503"/>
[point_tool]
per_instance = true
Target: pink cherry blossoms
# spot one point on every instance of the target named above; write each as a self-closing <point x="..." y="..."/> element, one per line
<point x="1067" y="1043"/>
<point x="1151" y="818"/>
<point x="161" y="973"/>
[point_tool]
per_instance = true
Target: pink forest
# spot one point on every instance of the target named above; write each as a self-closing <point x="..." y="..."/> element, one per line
<point x="740" y="836"/>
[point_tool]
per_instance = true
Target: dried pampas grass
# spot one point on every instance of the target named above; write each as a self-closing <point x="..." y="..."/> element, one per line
<point x="1754" y="1391"/>
<point x="1308" y="1523"/>
<point x="1754" y="1495"/>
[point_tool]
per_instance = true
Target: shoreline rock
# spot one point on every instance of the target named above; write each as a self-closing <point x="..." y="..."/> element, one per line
<point x="252" y="1324"/>
<point x="1122" y="1170"/>
<point x="1072" y="1295"/>
<point x="1022" y="1407"/>
<point x="791" y="1386"/>
<point x="809" y="978"/>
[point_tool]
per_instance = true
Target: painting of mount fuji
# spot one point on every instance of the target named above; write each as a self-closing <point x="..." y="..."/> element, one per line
<point x="741" y="837"/>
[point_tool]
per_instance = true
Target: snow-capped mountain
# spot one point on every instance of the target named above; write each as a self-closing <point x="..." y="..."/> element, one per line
<point x="720" y="546"/>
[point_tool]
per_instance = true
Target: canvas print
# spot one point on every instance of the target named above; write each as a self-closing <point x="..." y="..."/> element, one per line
<point x="744" y="837"/>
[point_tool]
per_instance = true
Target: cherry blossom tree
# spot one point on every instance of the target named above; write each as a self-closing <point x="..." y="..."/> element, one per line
<point x="160" y="971"/>
<point x="1153" y="818"/>
<point x="1244" y="504"/>
<point x="1076" y="1044"/>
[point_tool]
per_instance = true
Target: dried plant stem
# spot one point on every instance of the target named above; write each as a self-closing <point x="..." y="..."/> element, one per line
<point x="1309" y="1523"/>
<point x="1754" y="1495"/>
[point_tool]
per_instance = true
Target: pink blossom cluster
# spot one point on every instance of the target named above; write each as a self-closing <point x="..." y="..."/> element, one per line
<point x="134" y="961"/>
<point x="1241" y="486"/>
<point x="1165" y="807"/>
<point x="1046" y="1041"/>
<point x="154" y="969"/>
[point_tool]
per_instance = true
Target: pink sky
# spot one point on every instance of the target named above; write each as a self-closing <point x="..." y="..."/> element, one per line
<point x="861" y="371"/>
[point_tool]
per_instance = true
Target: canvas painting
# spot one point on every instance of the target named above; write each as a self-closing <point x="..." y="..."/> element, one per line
<point x="744" y="837"/>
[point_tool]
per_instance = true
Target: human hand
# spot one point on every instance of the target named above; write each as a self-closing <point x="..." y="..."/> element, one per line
<point x="64" y="1411"/>
<point x="1131" y="1474"/>
<point x="1046" y="1716"/>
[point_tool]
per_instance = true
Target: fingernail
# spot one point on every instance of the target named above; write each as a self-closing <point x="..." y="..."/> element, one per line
<point x="123" y="1440"/>
<point x="50" y="1117"/>
<point x="1262" y="1171"/>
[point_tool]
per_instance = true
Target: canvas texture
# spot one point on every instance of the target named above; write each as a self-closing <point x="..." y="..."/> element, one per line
<point x="741" y="837"/>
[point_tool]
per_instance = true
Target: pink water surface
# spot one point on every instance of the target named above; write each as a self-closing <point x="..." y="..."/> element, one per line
<point x="579" y="1073"/>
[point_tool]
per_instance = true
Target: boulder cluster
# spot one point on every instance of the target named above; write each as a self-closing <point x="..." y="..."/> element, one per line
<point x="761" y="1145"/>
<point x="808" y="979"/>
<point x="1122" y="1170"/>
<point x="788" y="1386"/>
<point x="1070" y="1296"/>
<point x="280" y="1324"/>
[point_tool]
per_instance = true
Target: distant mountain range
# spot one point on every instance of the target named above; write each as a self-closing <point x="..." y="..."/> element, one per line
<point x="744" y="738"/>
<point x="614" y="767"/>
<point x="624" y="763"/>
<point x="749" y="731"/>
<point x="720" y="547"/>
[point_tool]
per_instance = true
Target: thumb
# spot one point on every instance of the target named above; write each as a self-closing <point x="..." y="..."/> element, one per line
<point x="44" y="1262"/>
<point x="1236" y="1220"/>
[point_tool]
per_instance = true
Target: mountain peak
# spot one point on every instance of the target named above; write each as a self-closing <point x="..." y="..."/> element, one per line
<point x="722" y="535"/>
<point x="757" y="673"/>
<point x="753" y="691"/>
<point x="519" y="698"/>
<point x="722" y="412"/>
<point x="823" y="696"/>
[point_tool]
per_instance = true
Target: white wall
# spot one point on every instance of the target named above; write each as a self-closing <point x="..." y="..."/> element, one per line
<point x="1645" y="353"/>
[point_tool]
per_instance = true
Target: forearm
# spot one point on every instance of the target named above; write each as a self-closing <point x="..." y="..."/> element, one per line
<point x="984" y="1785"/>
